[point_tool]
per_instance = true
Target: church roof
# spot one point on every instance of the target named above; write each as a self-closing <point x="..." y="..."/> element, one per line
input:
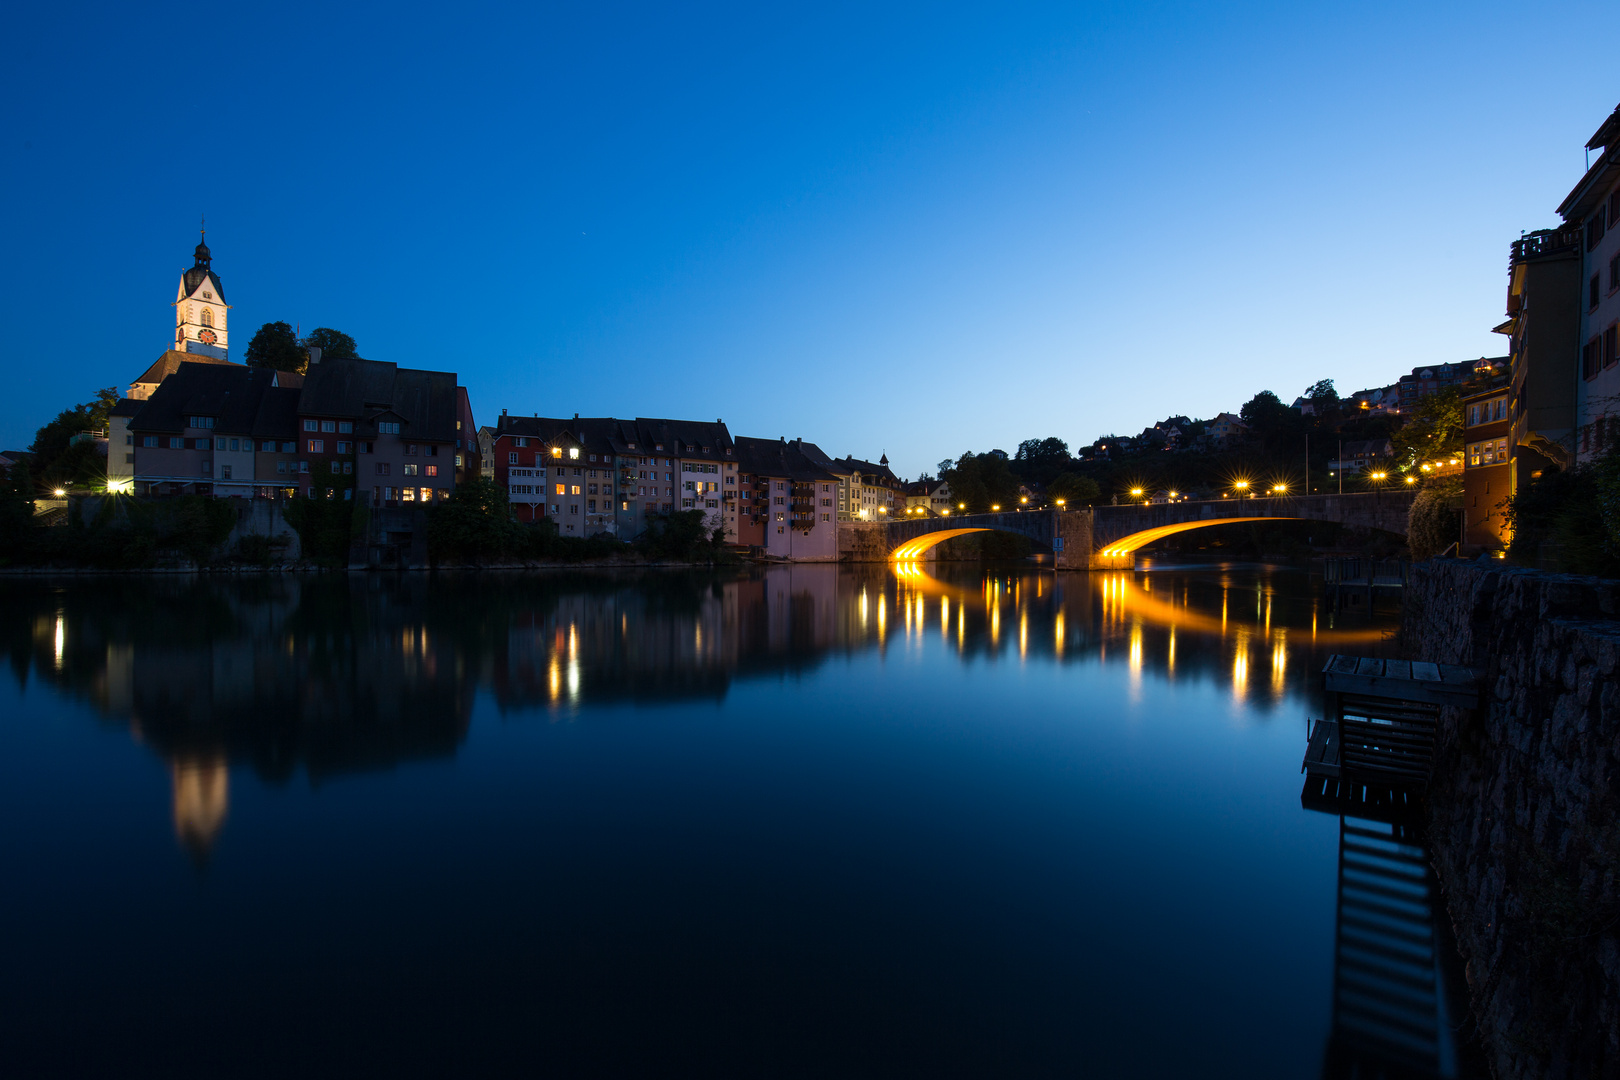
<point x="193" y="279"/>
<point x="170" y="362"/>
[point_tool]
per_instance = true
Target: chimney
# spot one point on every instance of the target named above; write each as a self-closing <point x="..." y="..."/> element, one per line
<point x="503" y="412"/>
<point x="314" y="355"/>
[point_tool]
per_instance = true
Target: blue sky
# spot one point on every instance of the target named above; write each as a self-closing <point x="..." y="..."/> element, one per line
<point x="884" y="228"/>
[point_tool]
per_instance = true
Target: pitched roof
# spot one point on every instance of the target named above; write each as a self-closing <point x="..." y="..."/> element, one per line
<point x="192" y="279"/>
<point x="879" y="469"/>
<point x="363" y="390"/>
<point x="780" y="458"/>
<point x="277" y="417"/>
<point x="127" y="407"/>
<point x="687" y="438"/>
<point x="229" y="394"/>
<point x="170" y="362"/>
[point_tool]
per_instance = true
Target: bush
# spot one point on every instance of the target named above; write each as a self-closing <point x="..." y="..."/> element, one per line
<point x="1570" y="520"/>
<point x="681" y="536"/>
<point x="325" y="527"/>
<point x="1435" y="521"/>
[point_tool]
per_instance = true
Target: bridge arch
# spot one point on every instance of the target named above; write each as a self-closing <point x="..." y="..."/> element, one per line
<point x="1123" y="547"/>
<point x="916" y="547"/>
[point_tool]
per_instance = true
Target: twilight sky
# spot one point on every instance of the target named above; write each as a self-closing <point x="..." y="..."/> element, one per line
<point x="913" y="229"/>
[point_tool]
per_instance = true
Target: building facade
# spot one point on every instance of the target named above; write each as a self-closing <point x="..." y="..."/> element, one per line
<point x="1594" y="208"/>
<point x="1487" y="469"/>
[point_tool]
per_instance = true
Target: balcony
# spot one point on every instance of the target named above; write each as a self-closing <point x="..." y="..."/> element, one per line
<point x="1546" y="242"/>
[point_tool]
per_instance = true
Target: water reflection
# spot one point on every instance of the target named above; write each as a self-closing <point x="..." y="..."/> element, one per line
<point x="330" y="675"/>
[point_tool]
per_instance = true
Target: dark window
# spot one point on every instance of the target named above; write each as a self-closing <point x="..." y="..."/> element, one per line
<point x="1592" y="292"/>
<point x="1611" y="339"/>
<point x="1591" y="357"/>
<point x="1614" y="206"/>
<point x="1614" y="273"/>
<point x="1594" y="231"/>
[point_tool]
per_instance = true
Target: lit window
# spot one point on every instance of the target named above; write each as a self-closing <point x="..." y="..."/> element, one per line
<point x="573" y="452"/>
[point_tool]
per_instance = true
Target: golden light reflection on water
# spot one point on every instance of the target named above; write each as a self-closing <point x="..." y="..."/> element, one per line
<point x="1147" y="618"/>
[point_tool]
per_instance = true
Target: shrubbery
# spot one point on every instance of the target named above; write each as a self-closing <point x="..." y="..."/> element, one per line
<point x="475" y="526"/>
<point x="1434" y="522"/>
<point x="1570" y="520"/>
<point x="122" y="533"/>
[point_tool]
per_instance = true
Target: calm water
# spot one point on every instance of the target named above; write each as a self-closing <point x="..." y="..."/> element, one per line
<point x="795" y="822"/>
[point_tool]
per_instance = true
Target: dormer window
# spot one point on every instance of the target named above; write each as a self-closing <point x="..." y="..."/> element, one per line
<point x="630" y="446"/>
<point x="388" y="427"/>
<point x="200" y="421"/>
<point x="207" y="295"/>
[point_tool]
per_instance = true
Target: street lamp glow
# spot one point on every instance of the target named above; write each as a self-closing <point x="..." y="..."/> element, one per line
<point x="1280" y="487"/>
<point x="1240" y="484"/>
<point x="1136" y="491"/>
<point x="995" y="506"/>
<point x="1060" y="502"/>
<point x="1411" y="479"/>
<point x="59" y="493"/>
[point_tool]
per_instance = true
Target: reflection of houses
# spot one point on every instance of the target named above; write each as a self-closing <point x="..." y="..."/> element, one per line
<point x="310" y="675"/>
<point x="663" y="640"/>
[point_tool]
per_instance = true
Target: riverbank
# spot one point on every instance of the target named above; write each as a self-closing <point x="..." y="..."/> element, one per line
<point x="1525" y="802"/>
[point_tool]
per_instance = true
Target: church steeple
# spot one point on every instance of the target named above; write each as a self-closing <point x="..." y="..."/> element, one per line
<point x="204" y="257"/>
<point x="200" y="310"/>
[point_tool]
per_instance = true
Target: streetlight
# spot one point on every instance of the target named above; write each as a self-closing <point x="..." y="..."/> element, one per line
<point x="995" y="506"/>
<point x="1060" y="503"/>
<point x="1411" y="479"/>
<point x="59" y="493"/>
<point x="1279" y="488"/>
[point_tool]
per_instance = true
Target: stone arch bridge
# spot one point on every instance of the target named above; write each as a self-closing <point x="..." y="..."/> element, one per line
<point x="1107" y="537"/>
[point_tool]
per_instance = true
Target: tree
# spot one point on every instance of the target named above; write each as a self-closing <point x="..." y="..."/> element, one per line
<point x="1324" y="397"/>
<point x="56" y="462"/>
<point x="1042" y="459"/>
<point x="276" y="346"/>
<point x="474" y="523"/>
<point x="982" y="481"/>
<point x="1279" y="430"/>
<point x="334" y="344"/>
<point x="1433" y="431"/>
<point x="1074" y="489"/>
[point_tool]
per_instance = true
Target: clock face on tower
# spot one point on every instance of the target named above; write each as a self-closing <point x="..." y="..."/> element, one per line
<point x="206" y="336"/>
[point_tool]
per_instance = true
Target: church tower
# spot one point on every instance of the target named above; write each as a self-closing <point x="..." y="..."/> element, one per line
<point x="200" y="310"/>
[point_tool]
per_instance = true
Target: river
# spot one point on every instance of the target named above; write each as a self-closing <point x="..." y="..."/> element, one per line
<point x="796" y="821"/>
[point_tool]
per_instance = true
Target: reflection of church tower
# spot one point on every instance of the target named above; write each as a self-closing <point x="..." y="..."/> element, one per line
<point x="201" y="797"/>
<point x="200" y="310"/>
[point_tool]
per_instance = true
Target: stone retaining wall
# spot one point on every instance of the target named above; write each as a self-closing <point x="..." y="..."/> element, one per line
<point x="1525" y="804"/>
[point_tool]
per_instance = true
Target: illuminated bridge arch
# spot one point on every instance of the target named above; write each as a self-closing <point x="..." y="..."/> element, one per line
<point x="1125" y="545"/>
<point x="915" y="548"/>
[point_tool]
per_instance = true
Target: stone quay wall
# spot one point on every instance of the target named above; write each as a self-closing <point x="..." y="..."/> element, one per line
<point x="1525" y="807"/>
